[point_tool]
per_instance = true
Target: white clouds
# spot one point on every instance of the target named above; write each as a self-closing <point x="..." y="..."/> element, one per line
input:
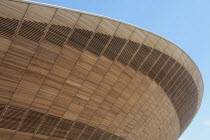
<point x="207" y="123"/>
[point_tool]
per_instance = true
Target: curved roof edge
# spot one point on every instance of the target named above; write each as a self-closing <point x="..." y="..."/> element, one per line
<point x="116" y="20"/>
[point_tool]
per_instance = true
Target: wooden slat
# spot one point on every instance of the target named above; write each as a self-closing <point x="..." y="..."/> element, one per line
<point x="67" y="74"/>
<point x="12" y="10"/>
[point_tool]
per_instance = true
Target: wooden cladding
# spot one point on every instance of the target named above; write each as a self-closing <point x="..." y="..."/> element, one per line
<point x="128" y="52"/>
<point x="48" y="125"/>
<point x="163" y="69"/>
<point x="32" y="30"/>
<point x="31" y="122"/>
<point x="16" y="118"/>
<point x="98" y="43"/>
<point x="1" y="108"/>
<point x="149" y="62"/>
<point x="57" y="34"/>
<point x="140" y="57"/>
<point x="63" y="128"/>
<point x="8" y="26"/>
<point x="87" y="132"/>
<point x="76" y="130"/>
<point x="158" y="65"/>
<point x="79" y="39"/>
<point x="114" y="48"/>
<point x="12" y="117"/>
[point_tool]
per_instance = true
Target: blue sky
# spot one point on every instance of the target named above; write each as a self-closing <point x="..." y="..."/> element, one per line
<point x="184" y="22"/>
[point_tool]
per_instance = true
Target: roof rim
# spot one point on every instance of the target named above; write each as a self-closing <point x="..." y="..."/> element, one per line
<point x="116" y="20"/>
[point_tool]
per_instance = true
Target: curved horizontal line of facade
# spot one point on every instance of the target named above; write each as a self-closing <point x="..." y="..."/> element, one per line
<point x="104" y="40"/>
<point x="201" y="85"/>
<point x="49" y="125"/>
<point x="117" y="49"/>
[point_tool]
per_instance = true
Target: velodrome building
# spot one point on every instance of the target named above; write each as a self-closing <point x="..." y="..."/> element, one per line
<point x="67" y="74"/>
